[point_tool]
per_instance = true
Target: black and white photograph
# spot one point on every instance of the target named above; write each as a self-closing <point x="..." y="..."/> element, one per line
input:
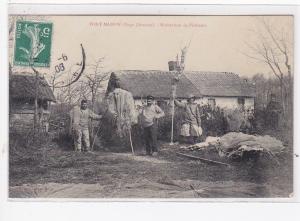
<point x="151" y="107"/>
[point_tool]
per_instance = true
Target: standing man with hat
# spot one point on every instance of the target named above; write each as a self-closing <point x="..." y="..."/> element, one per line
<point x="149" y="114"/>
<point x="191" y="125"/>
<point x="80" y="117"/>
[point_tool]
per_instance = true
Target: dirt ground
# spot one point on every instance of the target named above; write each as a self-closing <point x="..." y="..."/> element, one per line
<point x="55" y="172"/>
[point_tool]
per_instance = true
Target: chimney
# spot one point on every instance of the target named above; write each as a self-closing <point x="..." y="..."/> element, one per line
<point x="172" y="65"/>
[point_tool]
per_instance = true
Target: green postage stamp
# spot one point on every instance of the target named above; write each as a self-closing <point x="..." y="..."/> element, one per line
<point x="33" y="44"/>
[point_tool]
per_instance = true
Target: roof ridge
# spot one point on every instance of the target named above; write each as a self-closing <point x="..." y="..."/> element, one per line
<point x="135" y="71"/>
<point x="158" y="83"/>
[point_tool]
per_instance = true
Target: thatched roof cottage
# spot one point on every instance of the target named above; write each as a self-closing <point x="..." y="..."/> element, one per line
<point x="22" y="95"/>
<point x="215" y="88"/>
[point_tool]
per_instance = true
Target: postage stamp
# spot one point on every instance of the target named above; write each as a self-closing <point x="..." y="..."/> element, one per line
<point x="33" y="44"/>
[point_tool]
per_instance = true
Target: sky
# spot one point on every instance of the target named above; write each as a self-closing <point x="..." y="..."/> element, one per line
<point x="216" y="43"/>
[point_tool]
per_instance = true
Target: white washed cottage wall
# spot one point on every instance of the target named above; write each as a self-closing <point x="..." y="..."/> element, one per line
<point x="227" y="90"/>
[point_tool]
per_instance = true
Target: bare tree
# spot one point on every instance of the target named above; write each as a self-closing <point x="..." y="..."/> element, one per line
<point x="69" y="81"/>
<point x="73" y="93"/>
<point x="273" y="47"/>
<point x="94" y="79"/>
<point x="264" y="87"/>
<point x="94" y="82"/>
<point x="88" y="87"/>
<point x="62" y="79"/>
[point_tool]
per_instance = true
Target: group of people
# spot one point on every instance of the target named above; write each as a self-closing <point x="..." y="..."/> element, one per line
<point x="119" y="107"/>
<point x="80" y="117"/>
<point x="122" y="109"/>
<point x="191" y="123"/>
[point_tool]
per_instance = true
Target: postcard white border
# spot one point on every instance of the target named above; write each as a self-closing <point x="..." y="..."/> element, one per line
<point x="19" y="207"/>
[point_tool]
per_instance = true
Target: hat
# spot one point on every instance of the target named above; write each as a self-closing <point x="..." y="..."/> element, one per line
<point x="114" y="76"/>
<point x="83" y="101"/>
<point x="150" y="97"/>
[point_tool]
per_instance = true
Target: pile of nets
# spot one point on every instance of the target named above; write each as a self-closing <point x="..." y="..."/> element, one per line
<point x="209" y="142"/>
<point x="235" y="145"/>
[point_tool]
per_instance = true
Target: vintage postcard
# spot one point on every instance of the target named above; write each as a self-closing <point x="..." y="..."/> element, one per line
<point x="142" y="107"/>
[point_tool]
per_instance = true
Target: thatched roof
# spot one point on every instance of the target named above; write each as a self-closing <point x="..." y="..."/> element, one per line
<point x="222" y="84"/>
<point x="155" y="83"/>
<point x="23" y="86"/>
<point x="158" y="84"/>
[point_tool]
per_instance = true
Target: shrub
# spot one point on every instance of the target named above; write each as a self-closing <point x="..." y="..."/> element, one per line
<point x="214" y="121"/>
<point x="165" y="124"/>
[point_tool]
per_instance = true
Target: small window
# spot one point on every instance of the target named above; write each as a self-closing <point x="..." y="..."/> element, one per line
<point x="43" y="104"/>
<point x="241" y="101"/>
<point x="212" y="102"/>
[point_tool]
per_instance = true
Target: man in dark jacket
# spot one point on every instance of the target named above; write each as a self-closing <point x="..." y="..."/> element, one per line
<point x="191" y="128"/>
<point x="273" y="111"/>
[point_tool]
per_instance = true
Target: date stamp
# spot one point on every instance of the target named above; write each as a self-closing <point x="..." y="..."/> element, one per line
<point x="33" y="44"/>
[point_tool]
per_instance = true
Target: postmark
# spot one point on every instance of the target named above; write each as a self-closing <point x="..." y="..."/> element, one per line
<point x="33" y="44"/>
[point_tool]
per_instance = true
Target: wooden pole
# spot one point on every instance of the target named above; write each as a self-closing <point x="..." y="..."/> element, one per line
<point x="203" y="159"/>
<point x="94" y="137"/>
<point x="173" y="113"/>
<point x="180" y="70"/>
<point x="130" y="139"/>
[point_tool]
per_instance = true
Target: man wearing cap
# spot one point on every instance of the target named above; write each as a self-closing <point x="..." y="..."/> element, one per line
<point x="80" y="117"/>
<point x="191" y="125"/>
<point x="149" y="114"/>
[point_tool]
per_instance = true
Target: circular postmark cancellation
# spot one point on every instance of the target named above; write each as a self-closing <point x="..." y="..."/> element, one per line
<point x="33" y="43"/>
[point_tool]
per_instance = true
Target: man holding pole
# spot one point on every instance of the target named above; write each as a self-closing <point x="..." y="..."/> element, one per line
<point x="191" y="126"/>
<point x="179" y="68"/>
<point x="80" y="117"/>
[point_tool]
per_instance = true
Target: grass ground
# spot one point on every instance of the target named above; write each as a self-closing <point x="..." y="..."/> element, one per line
<point x="51" y="170"/>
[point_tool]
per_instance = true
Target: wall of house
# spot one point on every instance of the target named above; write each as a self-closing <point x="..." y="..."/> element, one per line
<point x="139" y="102"/>
<point x="249" y="103"/>
<point x="223" y="102"/>
<point x="20" y="122"/>
<point x="227" y="102"/>
<point x="21" y="115"/>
